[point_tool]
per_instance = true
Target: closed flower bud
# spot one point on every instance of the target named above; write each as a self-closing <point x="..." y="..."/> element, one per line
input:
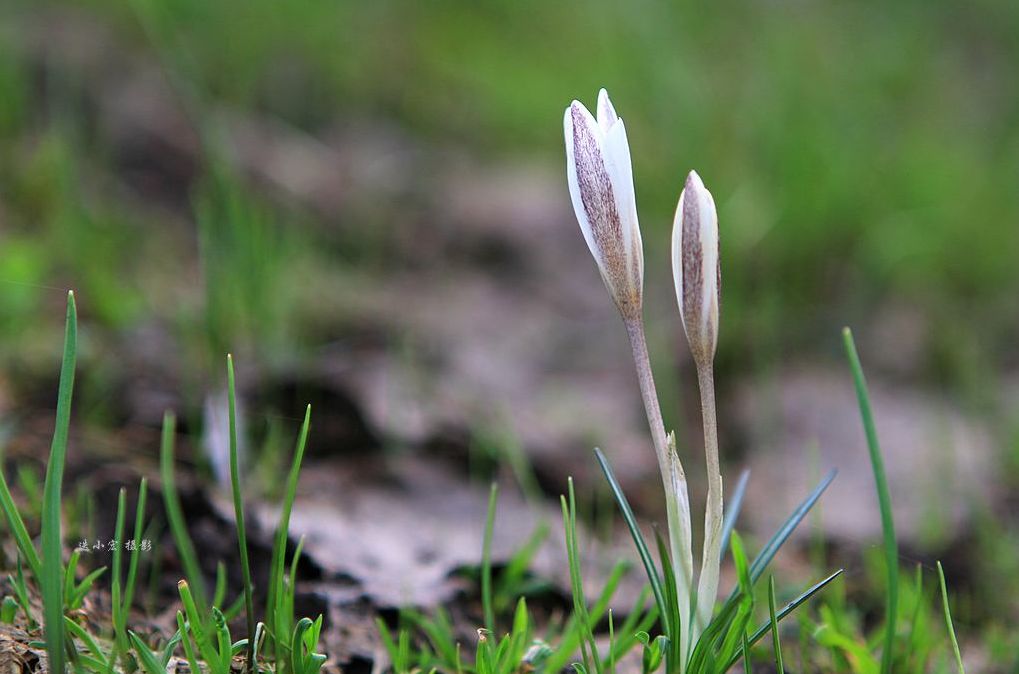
<point x="695" y="268"/>
<point x="601" y="188"/>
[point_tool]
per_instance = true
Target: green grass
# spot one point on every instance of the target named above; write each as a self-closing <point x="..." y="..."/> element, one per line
<point x="775" y="638"/>
<point x="280" y="593"/>
<point x="516" y="642"/>
<point x="52" y="571"/>
<point x="242" y="537"/>
<point x="719" y="647"/>
<point x="891" y="546"/>
<point x="948" y="619"/>
<point x="486" y="560"/>
<point x="581" y="611"/>
<point x="839" y="628"/>
<point x="204" y="635"/>
<point x="203" y="627"/>
<point x="175" y="515"/>
<point x="797" y="120"/>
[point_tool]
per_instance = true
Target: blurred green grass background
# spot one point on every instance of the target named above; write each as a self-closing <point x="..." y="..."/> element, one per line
<point x="862" y="154"/>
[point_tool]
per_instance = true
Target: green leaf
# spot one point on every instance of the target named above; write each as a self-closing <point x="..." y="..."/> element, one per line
<point x="775" y="638"/>
<point x="175" y="518"/>
<point x="145" y="655"/>
<point x="274" y="597"/>
<point x="189" y="651"/>
<point x="787" y="609"/>
<point x="773" y="545"/>
<point x="486" y="560"/>
<point x="948" y="620"/>
<point x="735" y="503"/>
<point x="17" y="526"/>
<point x="139" y="529"/>
<point x="196" y="624"/>
<point x="8" y="610"/>
<point x="891" y="545"/>
<point x="120" y="641"/>
<point x="78" y="596"/>
<point x="638" y="538"/>
<point x="588" y="648"/>
<point x="674" y="623"/>
<point x="235" y="484"/>
<point x="223" y="642"/>
<point x="171" y="645"/>
<point x="79" y="632"/>
<point x="52" y="541"/>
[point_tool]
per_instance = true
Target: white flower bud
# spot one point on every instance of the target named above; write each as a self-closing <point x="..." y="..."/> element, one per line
<point x="695" y="268"/>
<point x="601" y="187"/>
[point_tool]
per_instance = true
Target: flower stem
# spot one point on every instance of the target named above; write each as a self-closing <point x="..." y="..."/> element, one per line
<point x="677" y="502"/>
<point x="707" y="587"/>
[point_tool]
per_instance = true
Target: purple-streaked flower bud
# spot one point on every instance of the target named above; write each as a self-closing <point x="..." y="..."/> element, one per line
<point x="601" y="187"/>
<point x="695" y="268"/>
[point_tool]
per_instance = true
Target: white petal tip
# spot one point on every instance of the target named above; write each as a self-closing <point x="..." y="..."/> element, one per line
<point x="693" y="180"/>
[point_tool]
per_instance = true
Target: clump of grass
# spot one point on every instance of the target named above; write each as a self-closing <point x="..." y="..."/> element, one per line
<point x="840" y="629"/>
<point x="203" y="631"/>
<point x="514" y="643"/>
<point x="202" y="627"/>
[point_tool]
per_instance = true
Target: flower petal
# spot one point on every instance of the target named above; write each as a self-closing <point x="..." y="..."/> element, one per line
<point x="577" y="115"/>
<point x="606" y="113"/>
<point x="617" y="163"/>
<point x="695" y="266"/>
<point x="593" y="193"/>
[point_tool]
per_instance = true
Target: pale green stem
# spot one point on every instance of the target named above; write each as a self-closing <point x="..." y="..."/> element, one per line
<point x="707" y="586"/>
<point x="677" y="501"/>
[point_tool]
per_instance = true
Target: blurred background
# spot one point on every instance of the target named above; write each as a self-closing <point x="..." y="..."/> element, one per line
<point x="366" y="203"/>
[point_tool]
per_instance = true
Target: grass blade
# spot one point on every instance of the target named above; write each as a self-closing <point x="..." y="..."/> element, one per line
<point x="588" y="648"/>
<point x="145" y="656"/>
<point x="189" y="650"/>
<point x="277" y="569"/>
<point x="769" y="551"/>
<point x="884" y="500"/>
<point x="17" y="526"/>
<point x="70" y="575"/>
<point x="120" y="640"/>
<point x="79" y="632"/>
<point x="52" y="541"/>
<point x="672" y="599"/>
<point x="139" y="528"/>
<point x="948" y="620"/>
<point x="199" y="630"/>
<point x="786" y="610"/>
<point x="74" y="602"/>
<point x="235" y="483"/>
<point x="638" y="538"/>
<point x="21" y="592"/>
<point x="486" y="561"/>
<point x="776" y="640"/>
<point x="735" y="503"/>
<point x="175" y="516"/>
<point x="776" y="541"/>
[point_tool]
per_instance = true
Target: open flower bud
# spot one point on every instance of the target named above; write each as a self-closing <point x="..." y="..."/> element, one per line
<point x="601" y="188"/>
<point x="695" y="268"/>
